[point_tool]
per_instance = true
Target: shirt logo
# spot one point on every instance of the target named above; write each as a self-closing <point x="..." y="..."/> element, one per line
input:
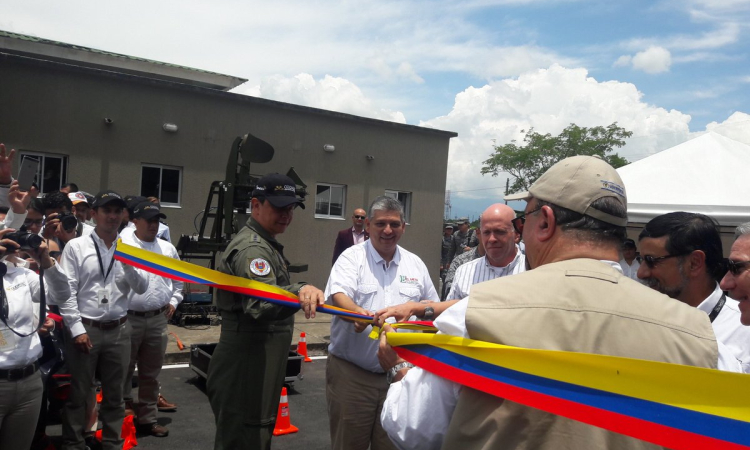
<point x="260" y="266"/>
<point x="408" y="280"/>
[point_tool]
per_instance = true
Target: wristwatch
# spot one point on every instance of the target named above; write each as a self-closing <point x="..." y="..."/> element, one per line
<point x="391" y="374"/>
<point x="428" y="314"/>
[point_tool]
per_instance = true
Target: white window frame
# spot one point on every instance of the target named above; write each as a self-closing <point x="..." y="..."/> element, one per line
<point x="407" y="204"/>
<point x="343" y="205"/>
<point x="42" y="157"/>
<point x="161" y="168"/>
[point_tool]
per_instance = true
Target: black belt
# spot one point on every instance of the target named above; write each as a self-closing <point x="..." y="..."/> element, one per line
<point x="108" y="325"/>
<point x="20" y="373"/>
<point x="148" y="314"/>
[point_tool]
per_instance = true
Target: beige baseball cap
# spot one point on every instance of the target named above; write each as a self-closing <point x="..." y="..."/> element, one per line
<point x="576" y="182"/>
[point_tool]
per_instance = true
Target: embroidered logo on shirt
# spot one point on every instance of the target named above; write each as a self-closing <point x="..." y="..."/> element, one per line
<point x="408" y="280"/>
<point x="260" y="266"/>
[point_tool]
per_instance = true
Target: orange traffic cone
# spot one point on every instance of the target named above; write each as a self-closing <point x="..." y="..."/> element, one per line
<point x="283" y="423"/>
<point x="302" y="346"/>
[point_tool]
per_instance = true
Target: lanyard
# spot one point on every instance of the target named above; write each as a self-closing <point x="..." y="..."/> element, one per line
<point x="717" y="309"/>
<point x="101" y="264"/>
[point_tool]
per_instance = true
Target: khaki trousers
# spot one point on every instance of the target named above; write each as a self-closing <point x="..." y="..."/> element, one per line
<point x="19" y="411"/>
<point x="355" y="398"/>
<point x="148" y="343"/>
<point x="111" y="355"/>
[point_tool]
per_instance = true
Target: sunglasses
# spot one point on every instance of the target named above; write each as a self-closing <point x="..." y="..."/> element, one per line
<point x="736" y="267"/>
<point x="519" y="221"/>
<point x="359" y="217"/>
<point x="653" y="261"/>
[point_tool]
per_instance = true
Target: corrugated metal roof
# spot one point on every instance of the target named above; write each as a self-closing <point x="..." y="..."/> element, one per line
<point x="222" y="81"/>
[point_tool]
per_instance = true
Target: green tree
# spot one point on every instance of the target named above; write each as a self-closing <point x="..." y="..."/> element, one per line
<point x="539" y="152"/>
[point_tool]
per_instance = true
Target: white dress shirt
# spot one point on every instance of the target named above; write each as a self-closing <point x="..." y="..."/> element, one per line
<point x="22" y="291"/>
<point x="480" y="270"/>
<point x="630" y="270"/>
<point x="163" y="233"/>
<point x="358" y="238"/>
<point x="363" y="275"/>
<point x="728" y="328"/>
<point x="418" y="409"/>
<point x="81" y="264"/>
<point x="161" y="290"/>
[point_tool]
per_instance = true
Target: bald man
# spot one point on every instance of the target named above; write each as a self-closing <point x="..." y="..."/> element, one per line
<point x="502" y="257"/>
<point x="354" y="235"/>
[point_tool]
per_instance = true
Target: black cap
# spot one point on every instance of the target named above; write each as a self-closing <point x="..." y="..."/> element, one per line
<point x="108" y="197"/>
<point x="278" y="189"/>
<point x="628" y="243"/>
<point x="147" y="210"/>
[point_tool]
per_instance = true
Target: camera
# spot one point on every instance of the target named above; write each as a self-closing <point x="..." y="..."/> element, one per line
<point x="68" y="221"/>
<point x="26" y="240"/>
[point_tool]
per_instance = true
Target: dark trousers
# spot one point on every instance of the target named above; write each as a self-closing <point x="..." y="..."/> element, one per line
<point x="244" y="385"/>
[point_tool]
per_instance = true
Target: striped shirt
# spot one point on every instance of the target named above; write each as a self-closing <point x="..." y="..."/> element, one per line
<point x="480" y="270"/>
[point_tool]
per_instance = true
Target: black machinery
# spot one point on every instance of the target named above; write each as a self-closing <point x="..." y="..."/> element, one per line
<point x="227" y="210"/>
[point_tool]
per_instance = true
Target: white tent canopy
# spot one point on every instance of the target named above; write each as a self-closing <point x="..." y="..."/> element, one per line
<point x="704" y="175"/>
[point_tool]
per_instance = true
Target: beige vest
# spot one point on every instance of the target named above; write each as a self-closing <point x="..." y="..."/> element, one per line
<point x="580" y="305"/>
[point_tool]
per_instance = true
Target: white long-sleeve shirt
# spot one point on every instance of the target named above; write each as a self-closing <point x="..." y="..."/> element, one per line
<point x="480" y="270"/>
<point x="728" y="329"/>
<point x="161" y="291"/>
<point x="23" y="293"/>
<point x="81" y="264"/>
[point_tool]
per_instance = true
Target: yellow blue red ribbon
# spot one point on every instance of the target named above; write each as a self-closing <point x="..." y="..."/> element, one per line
<point x="190" y="273"/>
<point x="679" y="407"/>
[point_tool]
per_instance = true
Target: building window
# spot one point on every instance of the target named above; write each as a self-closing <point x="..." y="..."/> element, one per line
<point x="53" y="170"/>
<point x="163" y="182"/>
<point x="405" y="199"/>
<point x="330" y="201"/>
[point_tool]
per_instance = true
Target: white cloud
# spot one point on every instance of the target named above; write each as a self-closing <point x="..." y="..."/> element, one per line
<point x="653" y="60"/>
<point x="548" y="100"/>
<point x="623" y="61"/>
<point x="736" y="127"/>
<point x="331" y="93"/>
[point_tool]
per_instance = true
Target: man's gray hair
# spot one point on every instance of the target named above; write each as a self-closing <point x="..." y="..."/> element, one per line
<point x="384" y="203"/>
<point x="742" y="230"/>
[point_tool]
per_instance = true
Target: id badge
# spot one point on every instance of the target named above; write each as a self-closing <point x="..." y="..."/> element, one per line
<point x="104" y="297"/>
<point x="7" y="340"/>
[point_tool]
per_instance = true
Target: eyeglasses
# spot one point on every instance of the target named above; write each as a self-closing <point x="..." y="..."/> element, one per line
<point x="359" y="217"/>
<point x="653" y="261"/>
<point x="519" y="221"/>
<point x="28" y="222"/>
<point x="736" y="267"/>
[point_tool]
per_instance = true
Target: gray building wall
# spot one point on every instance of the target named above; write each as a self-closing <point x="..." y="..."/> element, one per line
<point x="56" y="108"/>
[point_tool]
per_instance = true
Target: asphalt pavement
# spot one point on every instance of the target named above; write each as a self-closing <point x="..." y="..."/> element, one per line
<point x="192" y="427"/>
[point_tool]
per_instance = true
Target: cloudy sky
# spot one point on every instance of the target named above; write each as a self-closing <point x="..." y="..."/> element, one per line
<point x="667" y="70"/>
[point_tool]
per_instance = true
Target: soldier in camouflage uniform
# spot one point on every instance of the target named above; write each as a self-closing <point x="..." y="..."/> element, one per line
<point x="247" y="368"/>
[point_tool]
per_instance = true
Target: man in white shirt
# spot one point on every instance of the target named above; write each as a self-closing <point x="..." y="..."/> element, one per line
<point x="96" y="317"/>
<point x="683" y="258"/>
<point x="81" y="211"/>
<point x="502" y="256"/>
<point x="365" y="278"/>
<point x="737" y="279"/>
<point x="629" y="263"/>
<point x="148" y="315"/>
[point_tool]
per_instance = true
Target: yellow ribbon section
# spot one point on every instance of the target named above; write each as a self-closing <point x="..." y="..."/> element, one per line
<point x="709" y="391"/>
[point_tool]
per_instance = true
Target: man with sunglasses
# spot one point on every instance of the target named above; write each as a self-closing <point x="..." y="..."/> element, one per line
<point x="737" y="279"/>
<point x="683" y="258"/>
<point x="574" y="298"/>
<point x="351" y="236"/>
<point x="248" y="366"/>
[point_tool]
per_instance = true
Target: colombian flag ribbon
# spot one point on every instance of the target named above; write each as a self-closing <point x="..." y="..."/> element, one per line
<point x="190" y="273"/>
<point x="680" y="407"/>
